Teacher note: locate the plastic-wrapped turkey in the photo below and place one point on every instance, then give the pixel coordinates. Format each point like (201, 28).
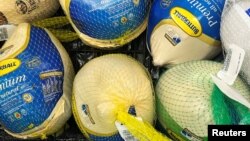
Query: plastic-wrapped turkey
(107, 23)
(105, 86)
(235, 30)
(36, 77)
(19, 11)
(184, 30)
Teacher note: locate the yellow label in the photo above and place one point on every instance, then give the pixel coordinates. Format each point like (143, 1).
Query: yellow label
(186, 21)
(9, 65)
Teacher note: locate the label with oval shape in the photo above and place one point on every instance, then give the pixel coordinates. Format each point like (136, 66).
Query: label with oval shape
(186, 21)
(9, 65)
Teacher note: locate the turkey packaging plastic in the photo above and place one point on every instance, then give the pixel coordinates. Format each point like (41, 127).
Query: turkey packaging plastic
(235, 30)
(107, 23)
(188, 101)
(184, 30)
(105, 86)
(36, 77)
(18, 11)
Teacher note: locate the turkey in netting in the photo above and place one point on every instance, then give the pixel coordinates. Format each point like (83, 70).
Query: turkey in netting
(36, 76)
(105, 86)
(19, 11)
(188, 101)
(107, 23)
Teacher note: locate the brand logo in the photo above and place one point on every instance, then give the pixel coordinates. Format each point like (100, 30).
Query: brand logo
(26, 6)
(165, 3)
(27, 98)
(9, 65)
(186, 21)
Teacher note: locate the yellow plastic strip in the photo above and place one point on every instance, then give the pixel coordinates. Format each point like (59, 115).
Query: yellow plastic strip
(141, 130)
(64, 35)
(54, 22)
(55, 25)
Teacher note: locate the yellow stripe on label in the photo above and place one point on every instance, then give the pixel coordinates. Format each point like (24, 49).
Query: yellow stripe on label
(209, 40)
(203, 37)
(50, 74)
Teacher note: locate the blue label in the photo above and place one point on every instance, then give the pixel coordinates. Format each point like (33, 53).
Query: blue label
(207, 12)
(248, 12)
(107, 19)
(29, 93)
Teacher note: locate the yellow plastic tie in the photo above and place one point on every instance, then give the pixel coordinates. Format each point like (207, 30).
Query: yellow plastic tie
(64, 35)
(54, 22)
(43, 137)
(141, 130)
(56, 26)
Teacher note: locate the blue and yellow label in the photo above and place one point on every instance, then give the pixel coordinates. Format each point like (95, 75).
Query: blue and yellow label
(194, 17)
(31, 83)
(108, 19)
(186, 21)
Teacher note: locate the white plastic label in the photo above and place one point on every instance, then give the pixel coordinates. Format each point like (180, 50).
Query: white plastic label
(6, 31)
(232, 64)
(230, 92)
(123, 131)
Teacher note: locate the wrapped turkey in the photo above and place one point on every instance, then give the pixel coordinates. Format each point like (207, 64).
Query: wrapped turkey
(36, 83)
(184, 30)
(19, 11)
(105, 86)
(188, 101)
(108, 23)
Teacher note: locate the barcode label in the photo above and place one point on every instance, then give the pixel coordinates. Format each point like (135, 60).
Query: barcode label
(127, 136)
(6, 31)
(227, 60)
(123, 131)
(3, 34)
(232, 64)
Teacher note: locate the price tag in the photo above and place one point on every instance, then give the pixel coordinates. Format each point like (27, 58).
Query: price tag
(232, 64)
